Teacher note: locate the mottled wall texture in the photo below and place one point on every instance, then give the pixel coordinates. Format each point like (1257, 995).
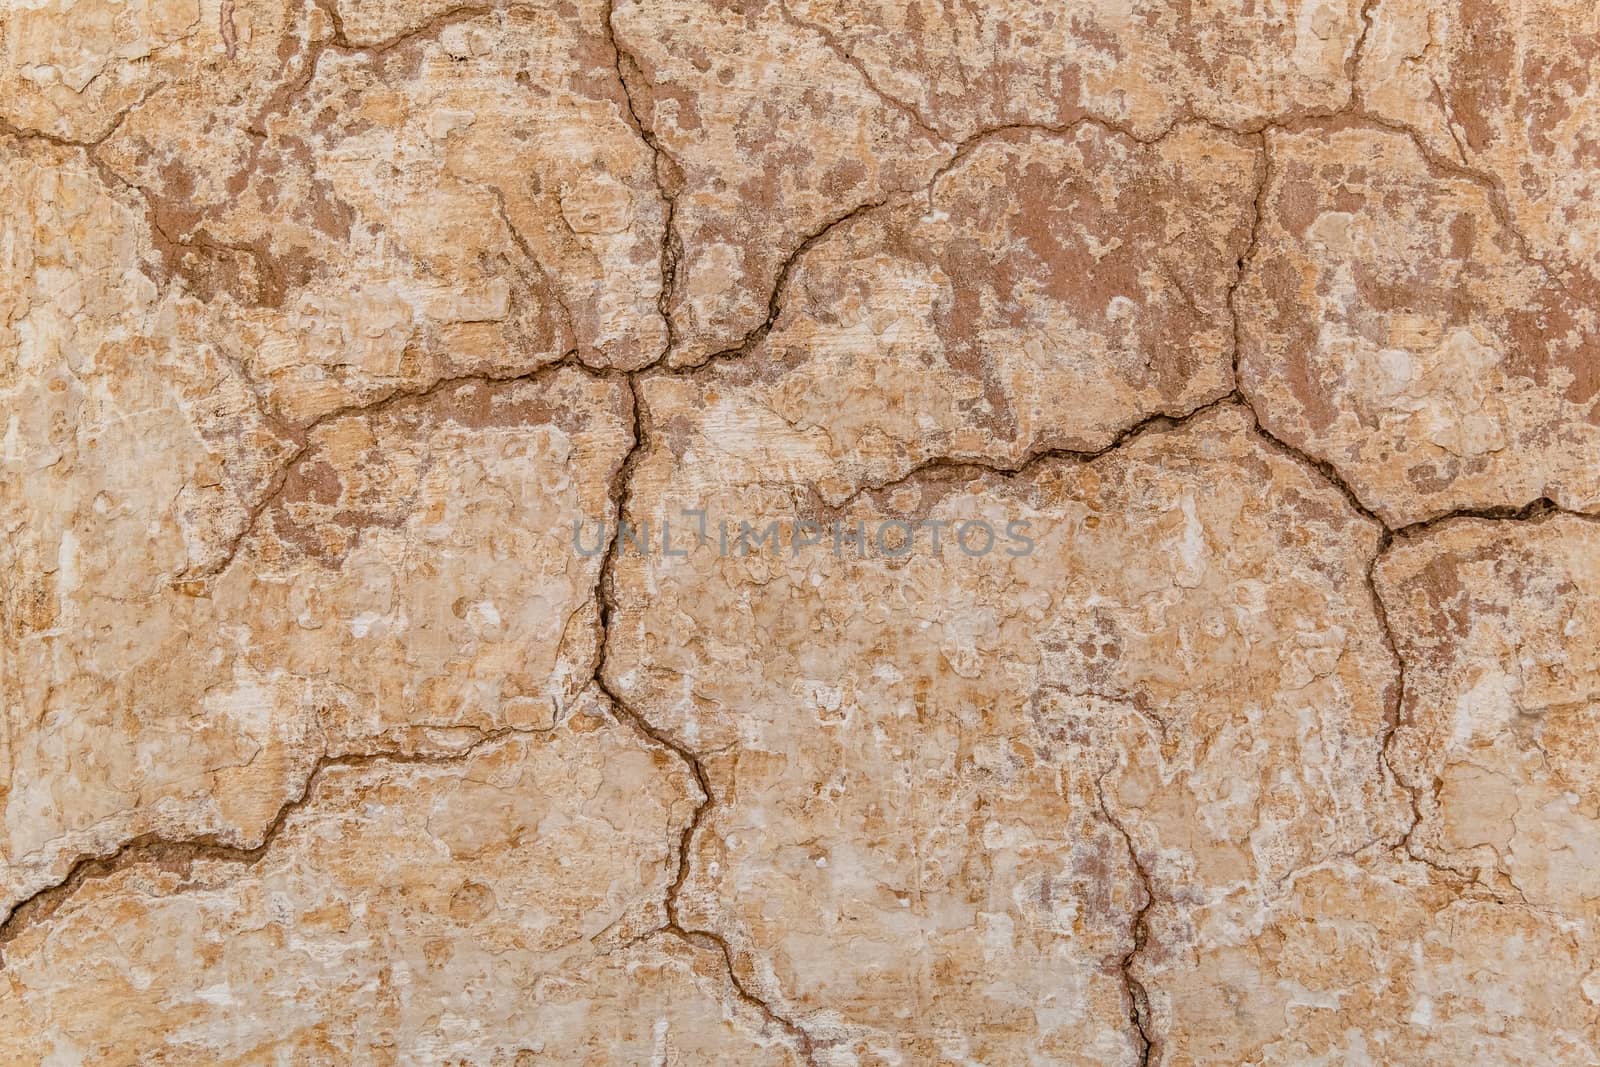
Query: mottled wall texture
(887, 532)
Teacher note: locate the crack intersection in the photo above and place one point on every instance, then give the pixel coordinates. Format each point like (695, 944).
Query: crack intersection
(669, 180)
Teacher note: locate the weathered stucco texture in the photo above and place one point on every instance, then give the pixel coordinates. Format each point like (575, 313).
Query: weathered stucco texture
(799, 532)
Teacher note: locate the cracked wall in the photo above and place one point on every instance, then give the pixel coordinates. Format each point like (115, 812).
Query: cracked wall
(333, 331)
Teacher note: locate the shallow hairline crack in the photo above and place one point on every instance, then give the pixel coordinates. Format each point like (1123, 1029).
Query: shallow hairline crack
(25, 134)
(664, 171)
(832, 42)
(547, 283)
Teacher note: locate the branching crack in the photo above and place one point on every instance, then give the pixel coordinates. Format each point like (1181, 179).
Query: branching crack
(1395, 699)
(302, 436)
(754, 336)
(1535, 511)
(666, 172)
(668, 177)
(605, 594)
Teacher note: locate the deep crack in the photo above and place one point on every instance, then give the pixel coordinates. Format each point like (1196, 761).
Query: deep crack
(605, 594)
(668, 177)
(175, 853)
(1137, 997)
(754, 336)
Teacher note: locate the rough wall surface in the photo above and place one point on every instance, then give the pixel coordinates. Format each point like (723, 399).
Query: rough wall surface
(799, 532)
